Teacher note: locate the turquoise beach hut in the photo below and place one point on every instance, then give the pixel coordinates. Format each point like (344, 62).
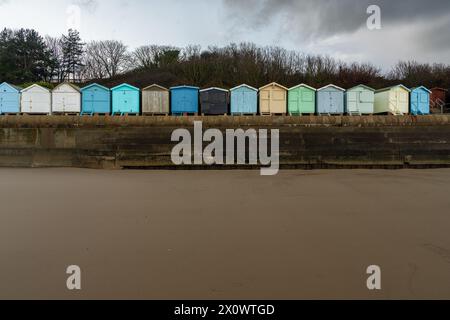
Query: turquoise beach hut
(420, 101)
(95, 99)
(184, 100)
(9, 98)
(244, 100)
(125, 99)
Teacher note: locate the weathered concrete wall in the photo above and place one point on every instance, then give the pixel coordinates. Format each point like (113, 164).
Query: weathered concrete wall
(305, 142)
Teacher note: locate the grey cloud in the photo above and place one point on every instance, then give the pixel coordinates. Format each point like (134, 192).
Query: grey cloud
(323, 18)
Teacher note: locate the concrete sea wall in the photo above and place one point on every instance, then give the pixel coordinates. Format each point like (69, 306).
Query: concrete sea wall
(145, 142)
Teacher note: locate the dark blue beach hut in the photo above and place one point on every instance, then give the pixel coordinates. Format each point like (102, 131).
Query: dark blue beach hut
(184, 99)
(9, 98)
(95, 99)
(420, 101)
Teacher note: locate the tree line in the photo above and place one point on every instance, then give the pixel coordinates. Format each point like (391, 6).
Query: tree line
(26, 56)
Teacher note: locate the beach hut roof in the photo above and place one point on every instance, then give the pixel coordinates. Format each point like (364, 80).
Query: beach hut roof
(125, 85)
(439, 88)
(184, 87)
(421, 87)
(393, 87)
(244, 86)
(69, 84)
(213, 88)
(17, 88)
(274, 84)
(35, 86)
(303, 86)
(363, 86)
(331, 86)
(155, 86)
(94, 85)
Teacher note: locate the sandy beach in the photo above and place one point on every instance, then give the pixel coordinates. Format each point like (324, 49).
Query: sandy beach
(224, 234)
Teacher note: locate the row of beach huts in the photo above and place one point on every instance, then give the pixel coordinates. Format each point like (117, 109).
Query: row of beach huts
(272, 99)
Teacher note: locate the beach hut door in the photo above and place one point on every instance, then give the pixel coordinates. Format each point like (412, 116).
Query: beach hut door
(352, 103)
(415, 98)
(124, 103)
(247, 99)
(424, 102)
(265, 101)
(294, 101)
(334, 102)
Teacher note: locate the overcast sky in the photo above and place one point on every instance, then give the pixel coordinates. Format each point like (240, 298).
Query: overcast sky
(411, 29)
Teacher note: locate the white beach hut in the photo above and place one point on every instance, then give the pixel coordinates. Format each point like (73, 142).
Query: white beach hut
(36, 100)
(66, 98)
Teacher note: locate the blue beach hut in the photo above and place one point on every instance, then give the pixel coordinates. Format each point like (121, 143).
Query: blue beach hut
(244, 100)
(330, 100)
(95, 99)
(9, 98)
(125, 99)
(420, 101)
(184, 99)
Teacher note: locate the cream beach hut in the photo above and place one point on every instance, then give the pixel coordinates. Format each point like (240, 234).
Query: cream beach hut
(273, 99)
(393, 100)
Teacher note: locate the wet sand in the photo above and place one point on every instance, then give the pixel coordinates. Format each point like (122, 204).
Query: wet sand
(224, 234)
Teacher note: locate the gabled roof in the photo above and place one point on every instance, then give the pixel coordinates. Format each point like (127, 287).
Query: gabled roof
(363, 86)
(17, 88)
(95, 85)
(421, 87)
(68, 84)
(393, 87)
(244, 86)
(155, 86)
(303, 86)
(214, 88)
(184, 87)
(438, 88)
(331, 86)
(35, 86)
(125, 85)
(274, 84)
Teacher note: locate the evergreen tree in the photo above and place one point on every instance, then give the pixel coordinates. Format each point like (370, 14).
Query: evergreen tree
(73, 50)
(23, 56)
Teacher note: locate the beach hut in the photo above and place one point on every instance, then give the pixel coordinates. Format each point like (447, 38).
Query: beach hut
(420, 101)
(36, 100)
(9, 98)
(330, 100)
(66, 98)
(438, 99)
(393, 100)
(184, 100)
(244, 100)
(273, 99)
(302, 100)
(438, 95)
(125, 99)
(96, 99)
(155, 100)
(360, 100)
(214, 101)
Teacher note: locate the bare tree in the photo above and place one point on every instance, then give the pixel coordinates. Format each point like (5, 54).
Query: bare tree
(154, 56)
(56, 67)
(106, 59)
